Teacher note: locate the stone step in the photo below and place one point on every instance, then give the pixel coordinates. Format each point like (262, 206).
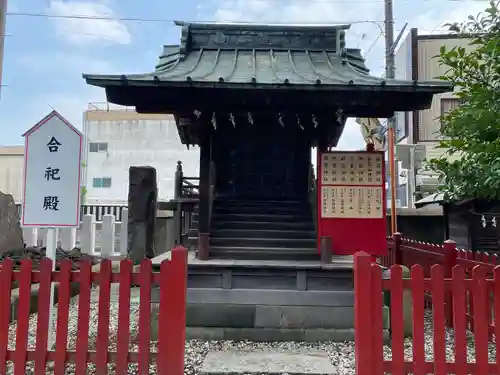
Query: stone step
(260, 242)
(263, 253)
(260, 203)
(290, 210)
(263, 233)
(310, 362)
(302, 218)
(259, 225)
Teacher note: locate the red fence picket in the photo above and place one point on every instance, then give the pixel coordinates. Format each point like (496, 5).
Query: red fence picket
(483, 285)
(169, 356)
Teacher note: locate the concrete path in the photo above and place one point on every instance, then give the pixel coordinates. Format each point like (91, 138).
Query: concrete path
(313, 362)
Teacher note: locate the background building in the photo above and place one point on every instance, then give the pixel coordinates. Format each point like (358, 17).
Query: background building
(117, 138)
(11, 171)
(415, 60)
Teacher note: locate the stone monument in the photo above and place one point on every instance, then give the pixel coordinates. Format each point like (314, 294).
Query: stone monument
(142, 197)
(11, 235)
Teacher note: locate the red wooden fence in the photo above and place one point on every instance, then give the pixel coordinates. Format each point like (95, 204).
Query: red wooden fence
(408, 252)
(169, 356)
(369, 286)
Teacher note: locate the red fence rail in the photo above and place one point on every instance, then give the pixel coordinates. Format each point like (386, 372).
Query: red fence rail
(369, 287)
(169, 356)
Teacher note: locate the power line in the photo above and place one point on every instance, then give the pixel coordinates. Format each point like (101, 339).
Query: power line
(83, 17)
(133, 19)
(373, 44)
(139, 19)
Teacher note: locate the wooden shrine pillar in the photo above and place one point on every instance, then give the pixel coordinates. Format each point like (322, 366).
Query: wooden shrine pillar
(325, 242)
(204, 202)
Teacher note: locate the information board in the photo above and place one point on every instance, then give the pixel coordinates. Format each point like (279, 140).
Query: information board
(351, 201)
(52, 164)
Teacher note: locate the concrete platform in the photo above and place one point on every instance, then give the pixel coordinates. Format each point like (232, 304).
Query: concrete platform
(259, 362)
(267, 300)
(338, 262)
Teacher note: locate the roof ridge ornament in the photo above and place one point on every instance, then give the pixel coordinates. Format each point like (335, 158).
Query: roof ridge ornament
(247, 36)
(184, 46)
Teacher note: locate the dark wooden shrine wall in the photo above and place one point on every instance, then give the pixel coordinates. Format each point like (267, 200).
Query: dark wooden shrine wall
(255, 165)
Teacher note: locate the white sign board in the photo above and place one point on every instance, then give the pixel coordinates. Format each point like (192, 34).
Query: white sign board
(52, 167)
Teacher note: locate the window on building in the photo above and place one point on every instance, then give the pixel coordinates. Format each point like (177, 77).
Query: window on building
(101, 182)
(98, 147)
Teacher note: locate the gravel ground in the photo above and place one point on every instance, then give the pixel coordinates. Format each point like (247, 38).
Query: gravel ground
(341, 354)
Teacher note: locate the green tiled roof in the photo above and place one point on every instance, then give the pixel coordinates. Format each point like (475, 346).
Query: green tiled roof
(260, 55)
(262, 66)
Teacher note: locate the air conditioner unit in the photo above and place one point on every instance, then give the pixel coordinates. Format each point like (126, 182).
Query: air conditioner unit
(427, 182)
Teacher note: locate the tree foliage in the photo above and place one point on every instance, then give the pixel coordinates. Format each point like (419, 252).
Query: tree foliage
(471, 132)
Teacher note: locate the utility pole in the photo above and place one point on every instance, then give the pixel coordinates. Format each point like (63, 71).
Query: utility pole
(390, 73)
(3, 15)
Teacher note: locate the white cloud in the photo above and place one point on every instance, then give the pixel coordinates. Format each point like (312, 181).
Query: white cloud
(88, 30)
(362, 34)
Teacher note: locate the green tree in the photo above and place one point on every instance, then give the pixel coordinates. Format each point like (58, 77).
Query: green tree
(472, 130)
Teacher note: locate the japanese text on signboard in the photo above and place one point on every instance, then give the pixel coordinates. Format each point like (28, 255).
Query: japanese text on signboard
(352, 185)
(51, 202)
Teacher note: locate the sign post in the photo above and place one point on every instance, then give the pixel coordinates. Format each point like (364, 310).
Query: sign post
(351, 201)
(52, 183)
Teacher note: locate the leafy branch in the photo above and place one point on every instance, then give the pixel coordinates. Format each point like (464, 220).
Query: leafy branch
(471, 132)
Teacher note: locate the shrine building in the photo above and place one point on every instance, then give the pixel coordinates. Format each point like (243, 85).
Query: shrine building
(256, 99)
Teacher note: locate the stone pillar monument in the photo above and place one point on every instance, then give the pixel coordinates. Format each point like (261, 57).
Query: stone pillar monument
(142, 197)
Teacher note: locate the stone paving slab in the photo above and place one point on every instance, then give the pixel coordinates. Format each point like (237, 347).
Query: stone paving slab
(235, 362)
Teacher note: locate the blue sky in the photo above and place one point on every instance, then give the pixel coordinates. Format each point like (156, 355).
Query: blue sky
(44, 57)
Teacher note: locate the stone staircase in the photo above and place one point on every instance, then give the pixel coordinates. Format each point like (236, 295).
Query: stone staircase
(261, 230)
(264, 280)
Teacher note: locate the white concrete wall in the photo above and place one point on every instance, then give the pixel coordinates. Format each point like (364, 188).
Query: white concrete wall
(133, 140)
(11, 171)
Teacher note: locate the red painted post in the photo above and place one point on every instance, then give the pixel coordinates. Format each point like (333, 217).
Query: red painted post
(172, 317)
(6, 279)
(362, 313)
(23, 317)
(450, 260)
(145, 278)
(398, 252)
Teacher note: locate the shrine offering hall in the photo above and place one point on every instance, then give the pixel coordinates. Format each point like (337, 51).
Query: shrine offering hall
(256, 99)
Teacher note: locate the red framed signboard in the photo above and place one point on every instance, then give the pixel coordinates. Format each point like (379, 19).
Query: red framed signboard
(352, 201)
